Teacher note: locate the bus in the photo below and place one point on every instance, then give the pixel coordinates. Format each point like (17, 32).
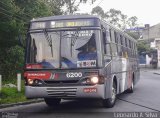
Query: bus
(78, 57)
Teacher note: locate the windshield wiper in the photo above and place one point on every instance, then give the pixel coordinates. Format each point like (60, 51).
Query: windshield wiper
(73, 38)
(49, 40)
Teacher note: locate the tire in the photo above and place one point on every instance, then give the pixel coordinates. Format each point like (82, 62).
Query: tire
(110, 102)
(52, 102)
(131, 89)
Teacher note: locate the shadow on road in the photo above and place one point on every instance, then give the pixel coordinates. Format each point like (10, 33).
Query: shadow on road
(75, 105)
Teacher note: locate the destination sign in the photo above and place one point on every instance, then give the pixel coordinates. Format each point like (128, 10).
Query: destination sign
(64, 23)
(55, 24)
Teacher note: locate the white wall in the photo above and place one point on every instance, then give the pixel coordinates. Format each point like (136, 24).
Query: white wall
(148, 59)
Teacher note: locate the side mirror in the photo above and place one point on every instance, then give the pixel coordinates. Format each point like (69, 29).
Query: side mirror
(21, 42)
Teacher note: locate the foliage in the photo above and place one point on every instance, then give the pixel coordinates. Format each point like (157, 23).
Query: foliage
(116, 17)
(98, 11)
(15, 16)
(71, 5)
(143, 47)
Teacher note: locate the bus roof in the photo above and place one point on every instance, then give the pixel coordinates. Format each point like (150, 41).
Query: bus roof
(64, 17)
(67, 17)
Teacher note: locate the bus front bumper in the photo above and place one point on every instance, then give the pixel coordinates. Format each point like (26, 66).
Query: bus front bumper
(96, 91)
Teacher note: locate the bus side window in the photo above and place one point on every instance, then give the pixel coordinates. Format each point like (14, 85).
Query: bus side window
(119, 45)
(121, 39)
(126, 43)
(113, 44)
(108, 43)
(110, 35)
(104, 40)
(116, 42)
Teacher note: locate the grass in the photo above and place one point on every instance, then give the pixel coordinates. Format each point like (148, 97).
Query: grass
(11, 95)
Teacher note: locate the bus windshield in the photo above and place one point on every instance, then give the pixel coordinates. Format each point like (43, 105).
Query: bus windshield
(63, 49)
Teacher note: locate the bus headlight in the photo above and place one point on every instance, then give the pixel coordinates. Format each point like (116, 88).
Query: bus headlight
(34, 82)
(30, 81)
(94, 80)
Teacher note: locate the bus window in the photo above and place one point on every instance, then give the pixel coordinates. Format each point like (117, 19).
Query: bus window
(44, 51)
(104, 40)
(108, 44)
(110, 34)
(76, 51)
(115, 37)
(114, 49)
(119, 45)
(129, 43)
(121, 40)
(126, 42)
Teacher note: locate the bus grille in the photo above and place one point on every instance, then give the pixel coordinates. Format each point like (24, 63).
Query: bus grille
(61, 92)
(62, 82)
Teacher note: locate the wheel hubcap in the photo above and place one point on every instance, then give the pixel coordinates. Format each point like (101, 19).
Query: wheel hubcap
(132, 86)
(113, 94)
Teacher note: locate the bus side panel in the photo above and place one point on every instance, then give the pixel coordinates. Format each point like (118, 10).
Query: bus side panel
(137, 75)
(106, 72)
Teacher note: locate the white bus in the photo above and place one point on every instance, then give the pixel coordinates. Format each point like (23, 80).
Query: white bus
(78, 56)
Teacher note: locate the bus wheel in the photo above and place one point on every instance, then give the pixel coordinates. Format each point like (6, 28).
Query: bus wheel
(130, 90)
(110, 102)
(52, 102)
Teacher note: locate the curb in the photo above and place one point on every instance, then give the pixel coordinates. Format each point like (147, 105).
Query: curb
(20, 103)
(157, 73)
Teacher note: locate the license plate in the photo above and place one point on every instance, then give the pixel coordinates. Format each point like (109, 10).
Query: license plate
(90, 90)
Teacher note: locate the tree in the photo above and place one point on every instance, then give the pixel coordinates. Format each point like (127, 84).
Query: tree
(55, 6)
(143, 47)
(33, 8)
(71, 5)
(116, 17)
(98, 11)
(10, 25)
(15, 16)
(132, 21)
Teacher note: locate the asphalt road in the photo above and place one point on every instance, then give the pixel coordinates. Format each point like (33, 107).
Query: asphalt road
(146, 98)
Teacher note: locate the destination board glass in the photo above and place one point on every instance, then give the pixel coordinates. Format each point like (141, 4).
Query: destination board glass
(65, 23)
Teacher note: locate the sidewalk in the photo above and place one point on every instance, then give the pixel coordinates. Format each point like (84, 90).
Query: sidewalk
(154, 71)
